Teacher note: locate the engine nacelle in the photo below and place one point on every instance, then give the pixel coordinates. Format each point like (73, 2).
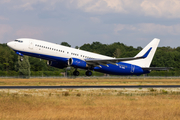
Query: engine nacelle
(77, 63)
(56, 64)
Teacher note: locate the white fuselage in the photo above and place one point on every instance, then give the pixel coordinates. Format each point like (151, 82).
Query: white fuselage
(51, 49)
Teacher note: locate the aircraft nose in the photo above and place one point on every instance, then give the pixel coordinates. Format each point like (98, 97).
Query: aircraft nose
(10, 44)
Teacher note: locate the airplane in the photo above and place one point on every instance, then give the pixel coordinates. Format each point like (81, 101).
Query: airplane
(61, 57)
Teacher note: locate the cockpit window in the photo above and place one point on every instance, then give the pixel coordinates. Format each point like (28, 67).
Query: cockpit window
(18, 41)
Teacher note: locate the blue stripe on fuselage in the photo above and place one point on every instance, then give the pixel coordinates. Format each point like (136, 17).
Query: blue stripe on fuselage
(46, 57)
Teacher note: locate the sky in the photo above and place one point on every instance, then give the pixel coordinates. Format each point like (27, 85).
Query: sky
(132, 22)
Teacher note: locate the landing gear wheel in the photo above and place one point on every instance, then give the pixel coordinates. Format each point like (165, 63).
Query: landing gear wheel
(21, 59)
(76, 73)
(88, 73)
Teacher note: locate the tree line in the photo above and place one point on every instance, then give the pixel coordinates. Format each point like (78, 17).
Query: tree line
(164, 57)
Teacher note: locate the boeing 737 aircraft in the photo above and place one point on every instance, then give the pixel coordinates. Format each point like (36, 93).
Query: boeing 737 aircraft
(60, 57)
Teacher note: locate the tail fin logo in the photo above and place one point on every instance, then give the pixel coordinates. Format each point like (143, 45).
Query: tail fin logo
(147, 53)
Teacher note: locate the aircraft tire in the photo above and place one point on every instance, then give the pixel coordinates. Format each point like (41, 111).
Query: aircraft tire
(88, 73)
(76, 73)
(21, 59)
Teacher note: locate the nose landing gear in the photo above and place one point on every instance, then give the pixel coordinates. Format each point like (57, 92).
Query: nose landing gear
(21, 59)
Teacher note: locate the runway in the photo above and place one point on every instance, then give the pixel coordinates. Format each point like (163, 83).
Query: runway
(84, 87)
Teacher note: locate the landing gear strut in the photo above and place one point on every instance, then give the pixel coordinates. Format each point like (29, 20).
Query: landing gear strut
(88, 73)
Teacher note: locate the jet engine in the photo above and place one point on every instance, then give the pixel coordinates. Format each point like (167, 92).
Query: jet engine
(77, 63)
(56, 64)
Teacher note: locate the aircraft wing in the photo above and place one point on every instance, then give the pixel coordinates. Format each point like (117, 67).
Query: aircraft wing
(95, 62)
(158, 68)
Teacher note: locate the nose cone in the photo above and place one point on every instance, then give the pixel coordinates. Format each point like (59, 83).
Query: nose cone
(10, 44)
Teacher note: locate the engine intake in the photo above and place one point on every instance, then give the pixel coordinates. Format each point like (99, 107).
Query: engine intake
(77, 63)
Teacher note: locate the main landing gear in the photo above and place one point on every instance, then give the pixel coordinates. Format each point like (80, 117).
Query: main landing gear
(76, 73)
(88, 73)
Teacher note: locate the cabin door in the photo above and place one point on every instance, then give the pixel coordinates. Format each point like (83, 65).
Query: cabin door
(31, 44)
(132, 68)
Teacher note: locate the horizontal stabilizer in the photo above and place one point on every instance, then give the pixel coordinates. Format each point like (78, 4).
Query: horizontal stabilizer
(157, 68)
